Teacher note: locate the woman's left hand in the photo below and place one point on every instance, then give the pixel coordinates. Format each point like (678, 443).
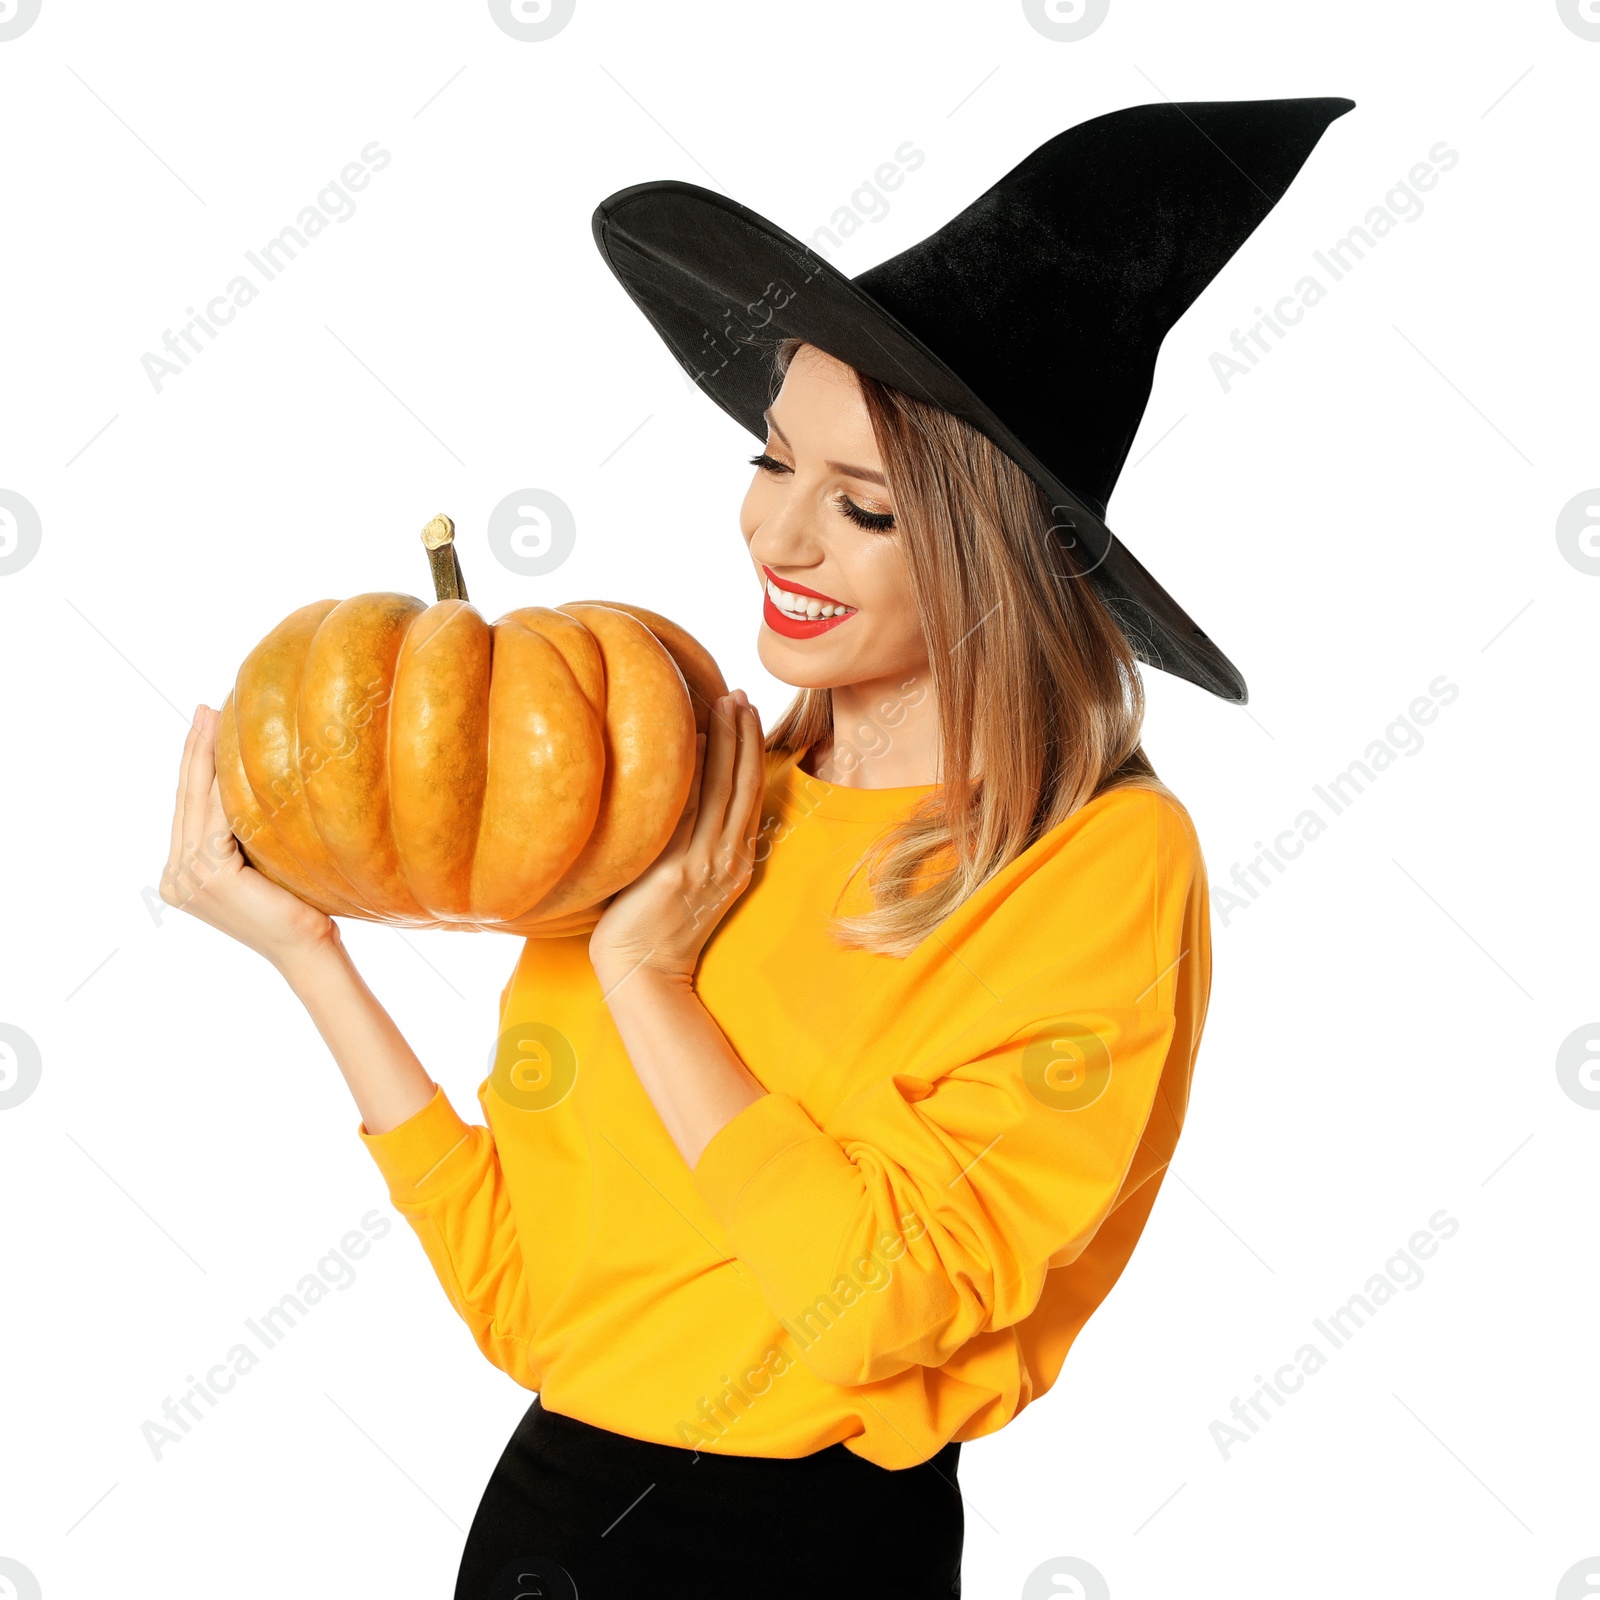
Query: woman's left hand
(664, 917)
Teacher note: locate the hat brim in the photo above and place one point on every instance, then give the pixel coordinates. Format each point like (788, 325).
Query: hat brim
(723, 287)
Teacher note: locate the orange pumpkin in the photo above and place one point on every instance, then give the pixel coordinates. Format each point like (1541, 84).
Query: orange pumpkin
(405, 763)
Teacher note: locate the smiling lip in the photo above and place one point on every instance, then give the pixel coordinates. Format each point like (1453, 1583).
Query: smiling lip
(795, 627)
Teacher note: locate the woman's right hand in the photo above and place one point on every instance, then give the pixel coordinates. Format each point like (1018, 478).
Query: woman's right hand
(208, 876)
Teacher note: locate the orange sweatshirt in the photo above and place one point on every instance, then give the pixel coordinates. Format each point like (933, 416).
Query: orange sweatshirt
(897, 1245)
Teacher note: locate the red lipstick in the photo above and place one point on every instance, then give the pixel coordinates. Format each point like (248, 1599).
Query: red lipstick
(794, 627)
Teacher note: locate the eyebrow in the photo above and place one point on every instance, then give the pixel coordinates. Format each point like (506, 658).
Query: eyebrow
(864, 473)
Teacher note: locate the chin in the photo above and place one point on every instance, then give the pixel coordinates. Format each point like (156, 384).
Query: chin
(800, 665)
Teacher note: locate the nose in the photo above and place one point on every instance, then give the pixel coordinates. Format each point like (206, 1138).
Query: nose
(787, 537)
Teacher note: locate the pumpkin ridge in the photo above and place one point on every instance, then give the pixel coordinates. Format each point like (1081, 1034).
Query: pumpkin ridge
(593, 697)
(369, 912)
(361, 631)
(274, 806)
(543, 788)
(433, 761)
(617, 849)
(265, 849)
(387, 769)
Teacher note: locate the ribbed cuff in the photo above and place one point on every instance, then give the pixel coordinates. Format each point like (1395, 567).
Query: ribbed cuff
(419, 1148)
(766, 1129)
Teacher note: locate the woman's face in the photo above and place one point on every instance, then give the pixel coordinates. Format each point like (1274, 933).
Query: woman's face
(820, 525)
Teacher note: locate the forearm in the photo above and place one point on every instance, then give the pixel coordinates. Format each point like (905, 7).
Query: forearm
(386, 1079)
(684, 1061)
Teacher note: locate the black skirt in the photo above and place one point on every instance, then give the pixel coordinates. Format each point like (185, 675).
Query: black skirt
(574, 1512)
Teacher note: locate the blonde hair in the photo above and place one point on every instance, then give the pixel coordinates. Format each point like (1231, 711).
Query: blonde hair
(1036, 686)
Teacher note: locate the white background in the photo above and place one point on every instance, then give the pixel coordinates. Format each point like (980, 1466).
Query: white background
(1373, 506)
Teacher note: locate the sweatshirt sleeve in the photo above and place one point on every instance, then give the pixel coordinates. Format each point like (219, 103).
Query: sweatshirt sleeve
(929, 1207)
(445, 1179)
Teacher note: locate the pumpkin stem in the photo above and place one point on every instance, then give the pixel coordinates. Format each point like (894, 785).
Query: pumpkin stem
(439, 536)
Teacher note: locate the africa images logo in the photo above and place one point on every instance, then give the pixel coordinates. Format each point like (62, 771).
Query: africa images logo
(334, 202)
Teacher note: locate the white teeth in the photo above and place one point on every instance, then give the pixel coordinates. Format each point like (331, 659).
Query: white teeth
(804, 607)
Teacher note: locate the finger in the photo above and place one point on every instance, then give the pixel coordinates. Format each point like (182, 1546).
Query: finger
(202, 769)
(691, 806)
(724, 706)
(717, 784)
(674, 846)
(733, 848)
(175, 848)
(749, 789)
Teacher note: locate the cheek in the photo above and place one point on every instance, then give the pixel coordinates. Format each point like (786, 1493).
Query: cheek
(885, 589)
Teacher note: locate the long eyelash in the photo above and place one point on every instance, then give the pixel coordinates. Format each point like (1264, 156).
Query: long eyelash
(874, 521)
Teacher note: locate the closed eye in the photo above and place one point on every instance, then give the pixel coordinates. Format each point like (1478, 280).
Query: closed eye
(874, 521)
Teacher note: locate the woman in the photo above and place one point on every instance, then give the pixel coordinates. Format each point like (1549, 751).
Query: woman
(811, 1159)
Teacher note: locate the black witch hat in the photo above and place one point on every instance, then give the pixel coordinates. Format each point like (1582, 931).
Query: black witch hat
(1036, 314)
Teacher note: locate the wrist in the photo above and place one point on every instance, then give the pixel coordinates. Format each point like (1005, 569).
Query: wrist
(618, 972)
(307, 958)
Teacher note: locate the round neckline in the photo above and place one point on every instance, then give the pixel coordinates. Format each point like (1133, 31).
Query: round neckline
(817, 797)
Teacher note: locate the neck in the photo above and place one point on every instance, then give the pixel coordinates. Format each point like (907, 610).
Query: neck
(885, 734)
